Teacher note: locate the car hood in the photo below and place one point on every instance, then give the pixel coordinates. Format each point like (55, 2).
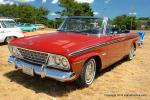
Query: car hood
(56, 43)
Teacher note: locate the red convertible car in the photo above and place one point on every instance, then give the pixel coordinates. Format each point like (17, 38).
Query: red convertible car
(79, 48)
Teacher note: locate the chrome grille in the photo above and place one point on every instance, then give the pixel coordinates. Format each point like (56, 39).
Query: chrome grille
(33, 56)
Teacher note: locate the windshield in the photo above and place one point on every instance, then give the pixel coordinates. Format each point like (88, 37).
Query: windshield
(8, 24)
(82, 25)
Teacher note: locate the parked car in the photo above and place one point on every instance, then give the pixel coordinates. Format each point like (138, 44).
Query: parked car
(9, 30)
(40, 26)
(28, 27)
(80, 47)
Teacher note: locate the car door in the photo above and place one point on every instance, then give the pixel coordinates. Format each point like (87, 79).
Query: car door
(29, 27)
(115, 46)
(5, 31)
(25, 27)
(127, 43)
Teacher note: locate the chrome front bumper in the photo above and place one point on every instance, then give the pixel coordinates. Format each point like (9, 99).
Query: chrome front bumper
(43, 71)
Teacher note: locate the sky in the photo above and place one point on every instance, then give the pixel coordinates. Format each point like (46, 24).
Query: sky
(109, 8)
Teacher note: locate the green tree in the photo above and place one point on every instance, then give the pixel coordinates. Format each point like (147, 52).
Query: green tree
(41, 14)
(144, 18)
(124, 21)
(26, 12)
(72, 8)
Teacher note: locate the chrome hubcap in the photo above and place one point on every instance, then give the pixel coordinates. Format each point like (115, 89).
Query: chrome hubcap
(132, 52)
(90, 71)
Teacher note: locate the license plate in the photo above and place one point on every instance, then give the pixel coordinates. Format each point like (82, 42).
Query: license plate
(28, 70)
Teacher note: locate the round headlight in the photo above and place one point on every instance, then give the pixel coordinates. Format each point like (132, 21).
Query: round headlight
(16, 52)
(57, 60)
(64, 62)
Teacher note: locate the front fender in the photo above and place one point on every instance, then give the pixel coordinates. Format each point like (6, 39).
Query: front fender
(77, 62)
(84, 57)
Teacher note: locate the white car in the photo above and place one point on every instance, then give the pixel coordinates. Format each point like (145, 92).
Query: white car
(9, 30)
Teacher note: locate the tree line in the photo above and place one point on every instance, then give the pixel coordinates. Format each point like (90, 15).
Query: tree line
(30, 14)
(26, 13)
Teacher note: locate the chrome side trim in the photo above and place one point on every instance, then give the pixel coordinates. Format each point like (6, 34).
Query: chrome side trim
(87, 49)
(97, 46)
(43, 71)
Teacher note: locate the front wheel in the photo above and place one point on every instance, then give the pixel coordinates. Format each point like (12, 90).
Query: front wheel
(131, 53)
(88, 73)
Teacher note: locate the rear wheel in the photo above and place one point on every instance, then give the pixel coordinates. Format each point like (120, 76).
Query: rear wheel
(33, 29)
(88, 73)
(131, 53)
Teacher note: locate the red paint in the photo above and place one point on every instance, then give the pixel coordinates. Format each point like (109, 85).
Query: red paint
(66, 43)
